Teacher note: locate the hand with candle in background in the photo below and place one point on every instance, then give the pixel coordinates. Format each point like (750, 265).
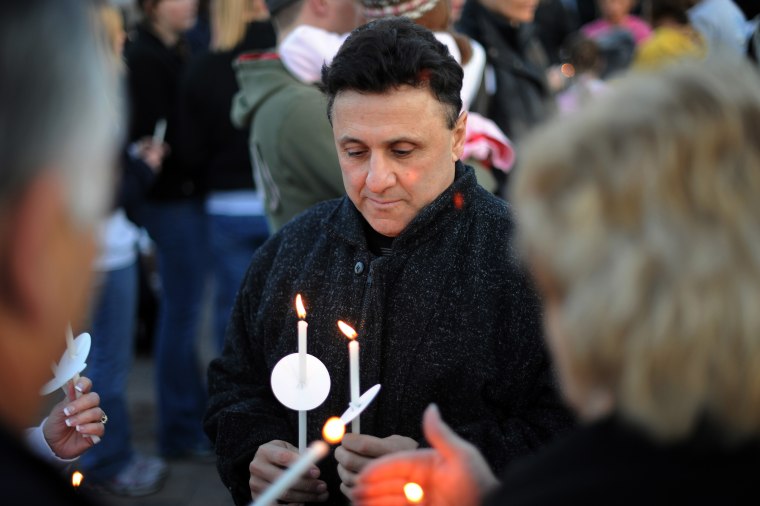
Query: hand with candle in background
(358, 450)
(70, 421)
(453, 473)
(151, 152)
(271, 461)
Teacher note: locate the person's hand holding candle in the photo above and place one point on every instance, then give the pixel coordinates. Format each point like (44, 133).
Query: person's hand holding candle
(271, 461)
(453, 473)
(71, 424)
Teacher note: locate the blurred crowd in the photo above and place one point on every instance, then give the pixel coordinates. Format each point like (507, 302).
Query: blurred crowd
(221, 151)
(218, 156)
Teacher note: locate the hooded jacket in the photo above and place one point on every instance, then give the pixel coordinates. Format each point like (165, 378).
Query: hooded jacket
(291, 140)
(448, 316)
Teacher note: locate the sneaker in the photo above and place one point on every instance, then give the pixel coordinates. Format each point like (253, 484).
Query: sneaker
(143, 476)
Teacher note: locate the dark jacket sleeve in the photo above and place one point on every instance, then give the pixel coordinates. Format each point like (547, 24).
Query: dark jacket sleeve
(136, 180)
(242, 412)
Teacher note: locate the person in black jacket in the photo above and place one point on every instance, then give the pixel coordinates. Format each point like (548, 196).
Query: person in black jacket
(641, 230)
(175, 219)
(417, 258)
(212, 147)
(522, 98)
(59, 137)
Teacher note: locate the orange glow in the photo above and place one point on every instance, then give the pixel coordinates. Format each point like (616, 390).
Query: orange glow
(413, 492)
(567, 70)
(334, 430)
(458, 200)
(299, 307)
(76, 479)
(347, 330)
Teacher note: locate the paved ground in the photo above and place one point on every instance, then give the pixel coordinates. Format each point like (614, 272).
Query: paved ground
(189, 484)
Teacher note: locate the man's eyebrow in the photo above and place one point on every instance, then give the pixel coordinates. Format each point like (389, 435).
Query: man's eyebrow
(348, 139)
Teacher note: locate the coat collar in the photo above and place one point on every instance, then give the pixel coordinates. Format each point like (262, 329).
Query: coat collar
(346, 222)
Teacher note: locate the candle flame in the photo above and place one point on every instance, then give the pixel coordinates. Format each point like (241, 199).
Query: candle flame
(347, 330)
(413, 492)
(299, 307)
(76, 479)
(334, 430)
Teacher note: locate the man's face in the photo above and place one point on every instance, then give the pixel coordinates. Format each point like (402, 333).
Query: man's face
(519, 11)
(396, 153)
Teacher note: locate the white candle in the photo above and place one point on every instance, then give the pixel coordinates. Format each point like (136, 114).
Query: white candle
(75, 379)
(302, 331)
(353, 359)
(159, 131)
(301, 431)
(302, 326)
(316, 451)
(353, 369)
(70, 341)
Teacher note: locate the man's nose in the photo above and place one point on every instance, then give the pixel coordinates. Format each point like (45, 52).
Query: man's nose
(380, 175)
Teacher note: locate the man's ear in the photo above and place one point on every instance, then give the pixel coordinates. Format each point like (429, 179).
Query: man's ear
(459, 135)
(36, 215)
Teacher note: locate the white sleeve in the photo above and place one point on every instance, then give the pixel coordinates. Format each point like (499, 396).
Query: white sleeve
(37, 443)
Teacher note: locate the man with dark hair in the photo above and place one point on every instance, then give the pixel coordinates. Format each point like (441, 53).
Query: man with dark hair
(417, 258)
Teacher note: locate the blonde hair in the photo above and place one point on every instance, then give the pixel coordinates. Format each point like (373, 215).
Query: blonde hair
(644, 212)
(111, 26)
(229, 19)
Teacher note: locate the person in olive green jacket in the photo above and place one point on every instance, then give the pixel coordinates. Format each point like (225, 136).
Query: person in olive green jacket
(291, 141)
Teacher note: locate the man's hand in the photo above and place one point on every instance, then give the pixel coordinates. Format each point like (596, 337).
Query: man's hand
(454, 473)
(358, 450)
(269, 463)
(70, 421)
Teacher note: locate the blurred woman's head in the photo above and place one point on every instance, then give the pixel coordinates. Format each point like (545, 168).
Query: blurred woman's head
(111, 26)
(229, 19)
(642, 224)
(658, 12)
(615, 11)
(170, 16)
(517, 11)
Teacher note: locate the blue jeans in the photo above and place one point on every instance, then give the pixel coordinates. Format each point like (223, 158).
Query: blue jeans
(179, 231)
(112, 331)
(233, 239)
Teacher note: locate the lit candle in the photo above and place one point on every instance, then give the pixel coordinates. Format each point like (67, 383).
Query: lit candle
(334, 430)
(413, 492)
(302, 328)
(316, 451)
(353, 365)
(76, 479)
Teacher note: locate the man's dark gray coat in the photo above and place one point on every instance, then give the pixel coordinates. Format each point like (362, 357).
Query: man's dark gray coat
(447, 317)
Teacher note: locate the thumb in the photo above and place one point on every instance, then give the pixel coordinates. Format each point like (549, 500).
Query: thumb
(440, 435)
